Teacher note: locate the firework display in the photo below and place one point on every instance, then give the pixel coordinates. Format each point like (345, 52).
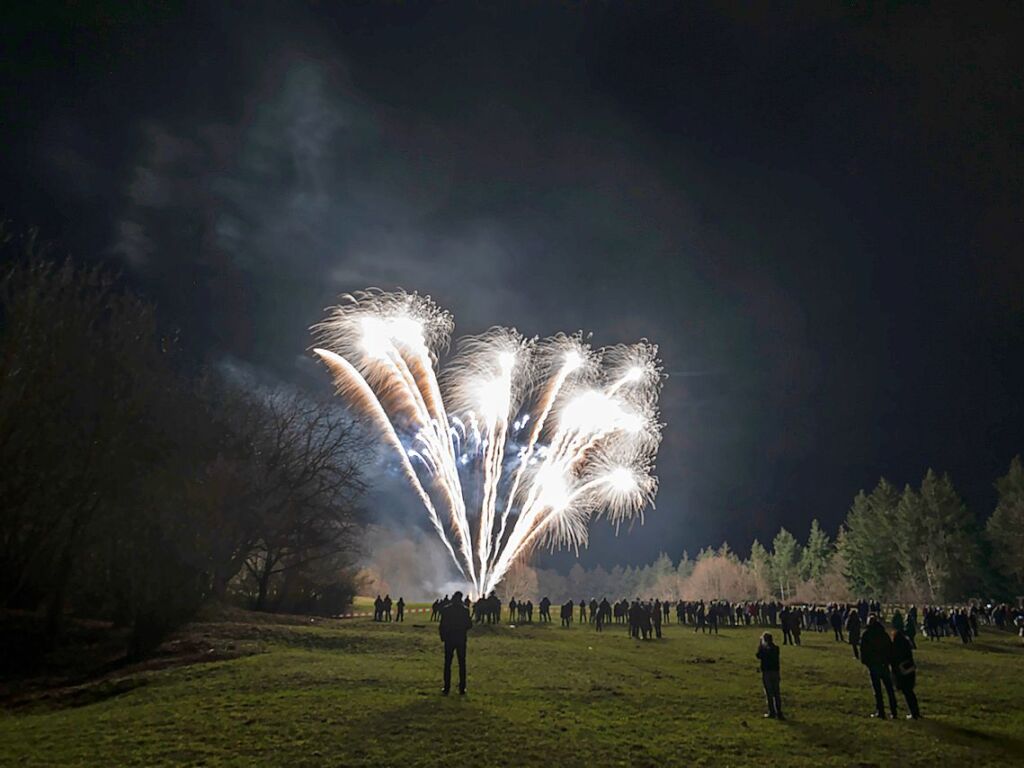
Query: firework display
(516, 443)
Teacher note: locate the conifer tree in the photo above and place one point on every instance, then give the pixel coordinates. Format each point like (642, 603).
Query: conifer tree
(1005, 530)
(946, 534)
(785, 562)
(760, 565)
(685, 567)
(816, 555)
(871, 557)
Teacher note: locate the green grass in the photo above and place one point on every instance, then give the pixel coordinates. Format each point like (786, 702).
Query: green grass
(362, 694)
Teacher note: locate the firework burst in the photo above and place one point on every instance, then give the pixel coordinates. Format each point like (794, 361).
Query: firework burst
(518, 443)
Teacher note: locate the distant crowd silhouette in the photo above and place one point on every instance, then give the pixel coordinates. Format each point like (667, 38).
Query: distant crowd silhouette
(382, 609)
(888, 656)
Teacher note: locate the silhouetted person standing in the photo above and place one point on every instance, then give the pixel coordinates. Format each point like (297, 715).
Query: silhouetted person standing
(455, 623)
(853, 632)
(787, 627)
(387, 607)
(400, 610)
(912, 626)
(604, 612)
(835, 619)
(768, 655)
(904, 671)
(876, 655)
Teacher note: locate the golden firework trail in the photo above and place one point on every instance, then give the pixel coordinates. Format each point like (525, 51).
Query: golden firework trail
(517, 443)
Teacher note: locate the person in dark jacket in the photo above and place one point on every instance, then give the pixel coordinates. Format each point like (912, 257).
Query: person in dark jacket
(455, 623)
(876, 655)
(853, 632)
(904, 672)
(835, 619)
(400, 605)
(787, 627)
(768, 655)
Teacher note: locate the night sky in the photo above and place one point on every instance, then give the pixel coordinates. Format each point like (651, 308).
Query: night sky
(817, 214)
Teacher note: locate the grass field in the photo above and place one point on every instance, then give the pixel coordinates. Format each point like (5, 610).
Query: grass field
(362, 694)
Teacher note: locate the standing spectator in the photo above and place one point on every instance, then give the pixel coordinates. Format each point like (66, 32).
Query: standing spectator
(567, 614)
(768, 654)
(836, 620)
(545, 609)
(876, 655)
(897, 620)
(455, 623)
(853, 631)
(904, 672)
(400, 606)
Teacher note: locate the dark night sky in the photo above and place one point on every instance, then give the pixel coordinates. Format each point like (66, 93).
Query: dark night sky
(817, 214)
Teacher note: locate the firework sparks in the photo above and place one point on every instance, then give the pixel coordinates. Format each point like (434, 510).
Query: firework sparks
(518, 443)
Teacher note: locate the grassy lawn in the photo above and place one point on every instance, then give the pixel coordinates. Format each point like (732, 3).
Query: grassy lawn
(362, 694)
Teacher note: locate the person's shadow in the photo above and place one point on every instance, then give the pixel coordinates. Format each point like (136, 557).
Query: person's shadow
(958, 734)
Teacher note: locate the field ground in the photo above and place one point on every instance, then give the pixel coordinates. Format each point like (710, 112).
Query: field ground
(301, 693)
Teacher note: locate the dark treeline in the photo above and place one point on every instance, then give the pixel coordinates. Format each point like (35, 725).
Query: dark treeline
(136, 483)
(919, 545)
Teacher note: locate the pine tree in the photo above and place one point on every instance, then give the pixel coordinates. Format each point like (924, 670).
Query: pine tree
(629, 582)
(616, 580)
(598, 582)
(785, 562)
(1005, 529)
(816, 555)
(726, 553)
(577, 582)
(760, 565)
(662, 568)
(685, 567)
(871, 557)
(948, 538)
(910, 534)
(663, 577)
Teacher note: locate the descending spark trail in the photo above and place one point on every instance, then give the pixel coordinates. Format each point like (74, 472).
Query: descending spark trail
(550, 431)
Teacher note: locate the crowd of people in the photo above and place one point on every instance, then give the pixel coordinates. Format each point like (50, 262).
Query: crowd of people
(888, 655)
(644, 618)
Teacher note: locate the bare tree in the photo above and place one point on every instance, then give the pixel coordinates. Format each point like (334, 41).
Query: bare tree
(310, 481)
